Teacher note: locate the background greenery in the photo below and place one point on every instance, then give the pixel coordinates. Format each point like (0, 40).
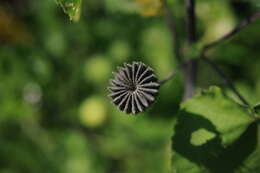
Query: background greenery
(54, 112)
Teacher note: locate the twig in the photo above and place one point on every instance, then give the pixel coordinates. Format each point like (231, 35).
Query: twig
(170, 21)
(175, 71)
(225, 79)
(169, 76)
(238, 28)
(191, 70)
(214, 66)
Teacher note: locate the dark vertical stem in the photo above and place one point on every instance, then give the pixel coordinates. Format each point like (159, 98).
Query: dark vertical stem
(191, 21)
(190, 72)
(170, 21)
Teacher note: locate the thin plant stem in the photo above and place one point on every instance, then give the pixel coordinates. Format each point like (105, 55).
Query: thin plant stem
(175, 71)
(190, 68)
(234, 31)
(214, 66)
(190, 72)
(170, 21)
(169, 76)
(225, 79)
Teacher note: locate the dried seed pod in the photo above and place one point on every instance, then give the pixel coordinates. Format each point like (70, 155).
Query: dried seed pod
(134, 87)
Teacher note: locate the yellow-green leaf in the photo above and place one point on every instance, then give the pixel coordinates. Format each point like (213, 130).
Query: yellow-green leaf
(71, 7)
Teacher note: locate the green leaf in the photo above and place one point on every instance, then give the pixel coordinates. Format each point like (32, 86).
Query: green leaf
(71, 7)
(212, 134)
(201, 136)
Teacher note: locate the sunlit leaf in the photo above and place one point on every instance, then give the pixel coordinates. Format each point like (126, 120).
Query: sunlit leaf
(71, 7)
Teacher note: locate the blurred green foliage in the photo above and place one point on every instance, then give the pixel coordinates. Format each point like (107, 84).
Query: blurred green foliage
(54, 113)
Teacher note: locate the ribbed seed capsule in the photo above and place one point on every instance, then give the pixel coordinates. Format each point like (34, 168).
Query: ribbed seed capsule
(134, 87)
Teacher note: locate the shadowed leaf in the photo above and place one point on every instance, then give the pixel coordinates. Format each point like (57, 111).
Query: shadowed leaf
(210, 131)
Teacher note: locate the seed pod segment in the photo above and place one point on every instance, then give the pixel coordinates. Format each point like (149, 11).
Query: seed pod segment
(134, 87)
